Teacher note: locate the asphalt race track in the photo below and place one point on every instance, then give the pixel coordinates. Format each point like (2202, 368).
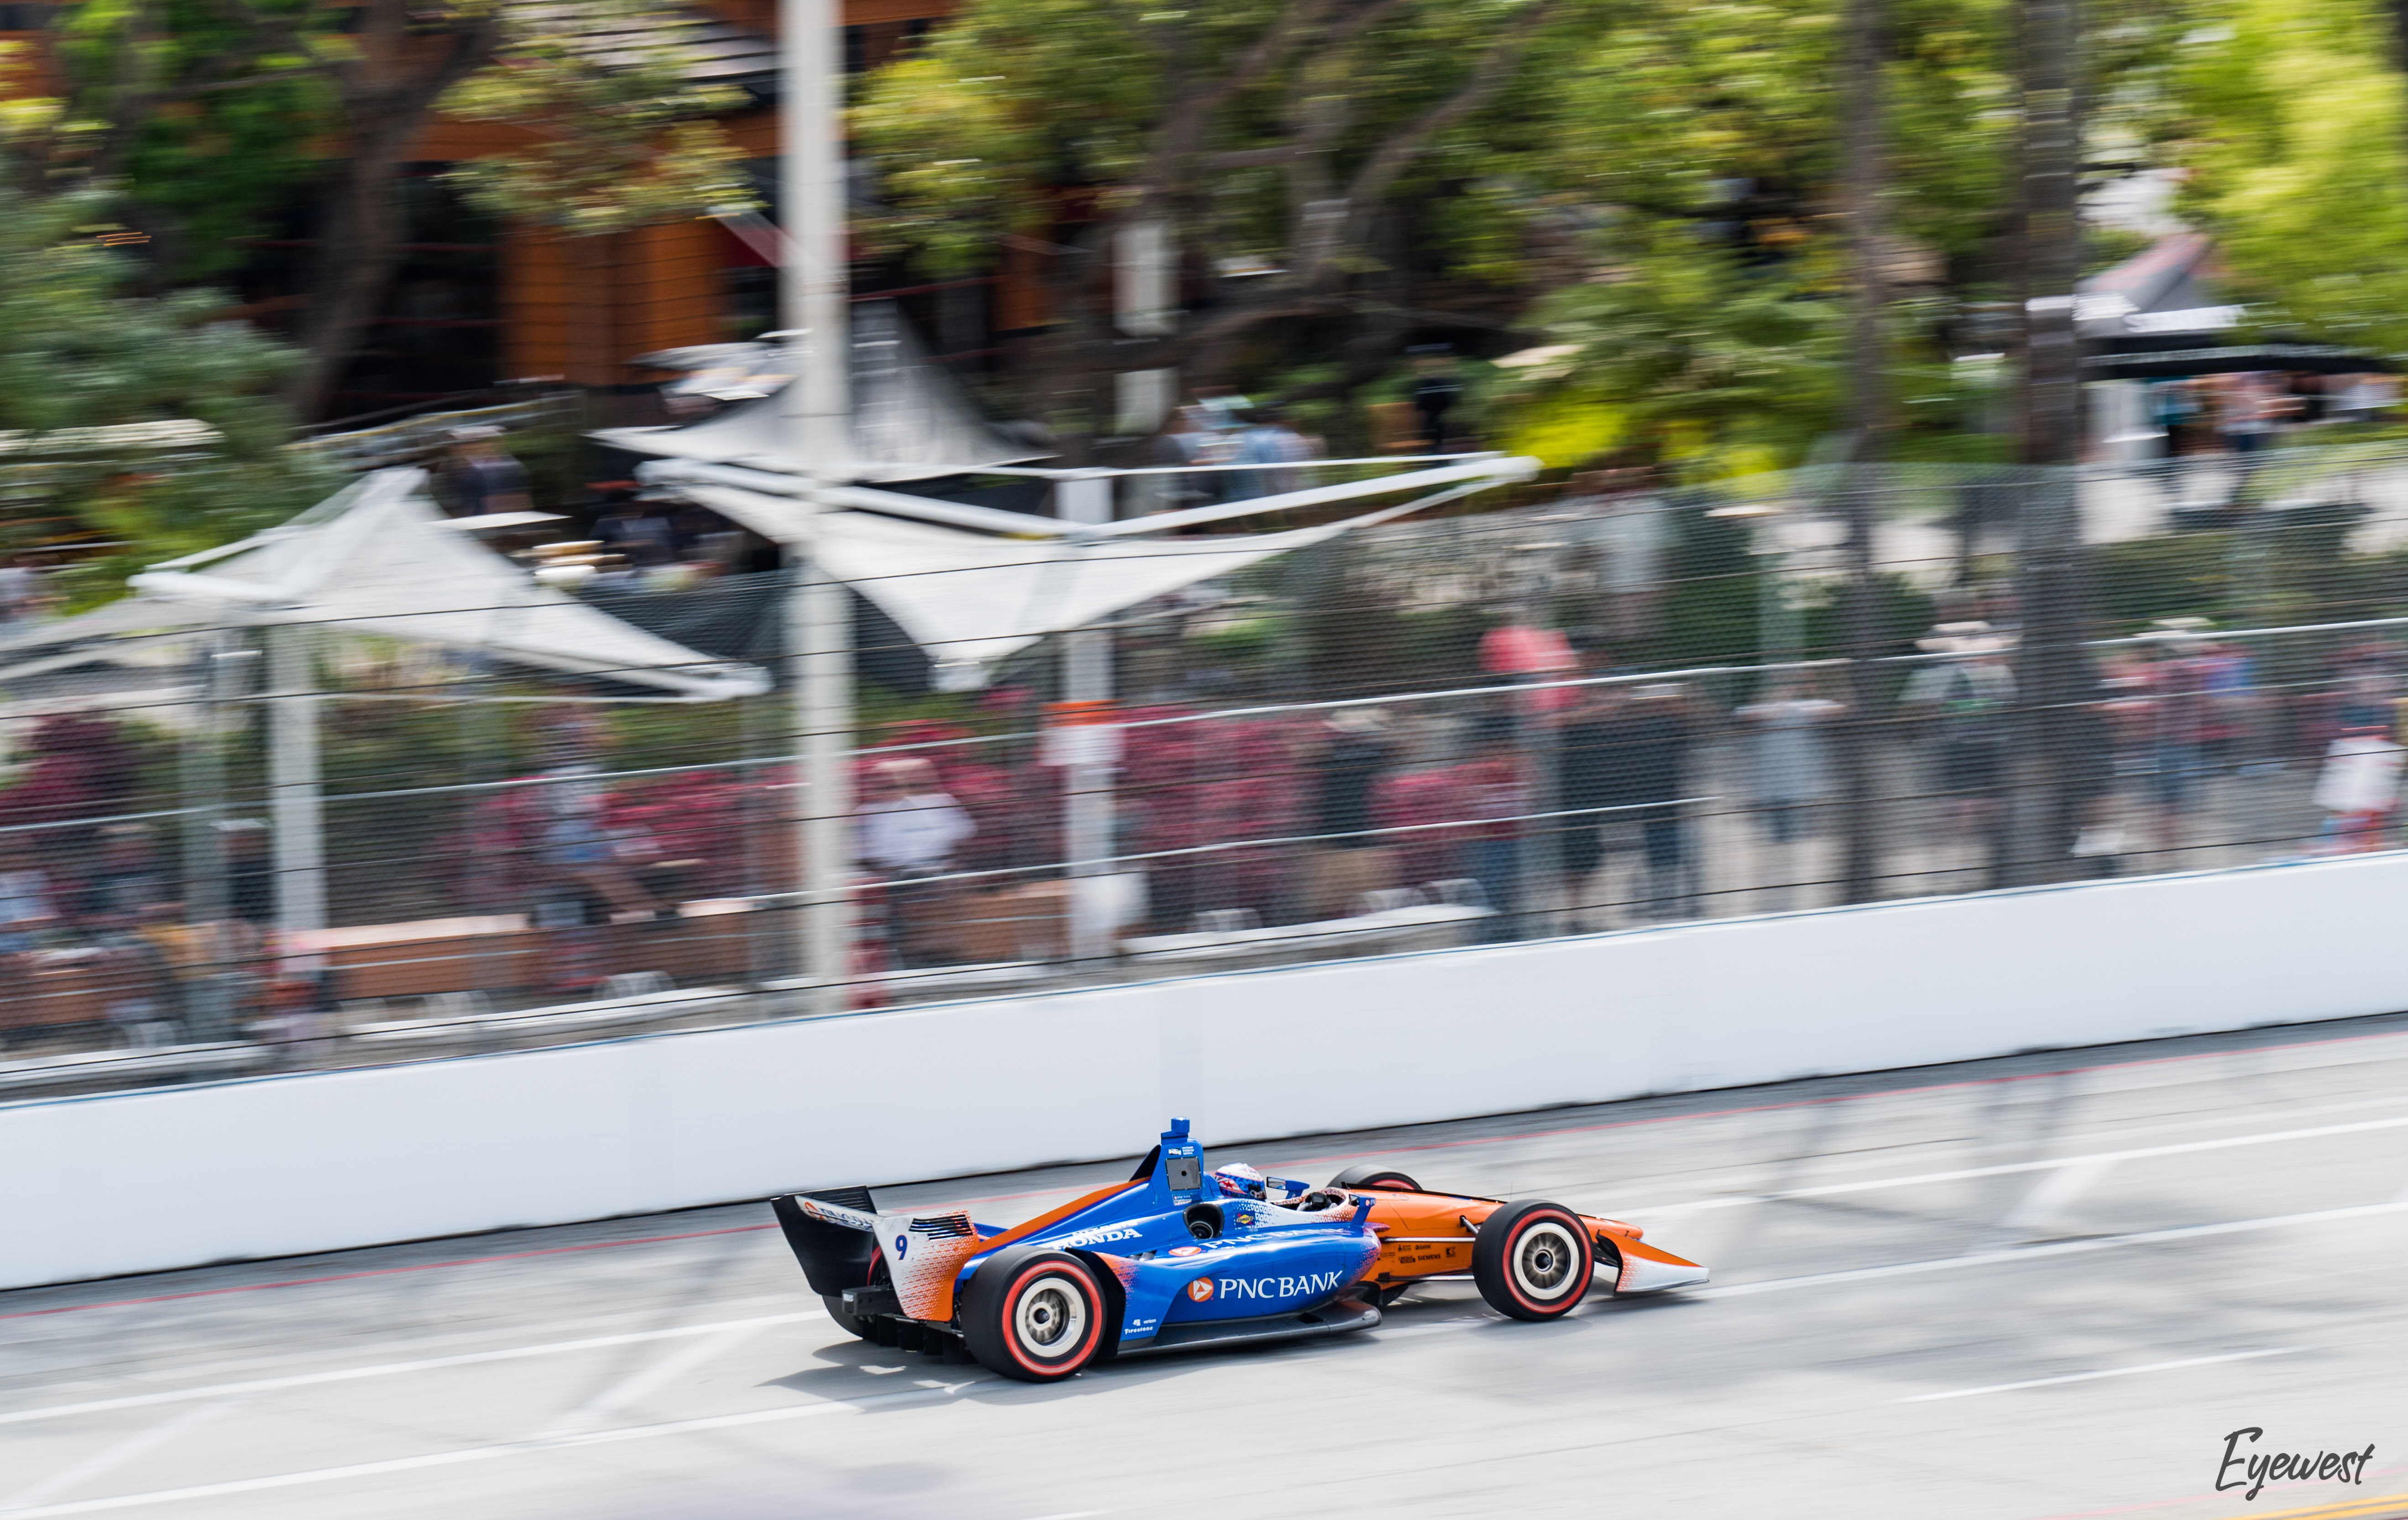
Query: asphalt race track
(2045, 1286)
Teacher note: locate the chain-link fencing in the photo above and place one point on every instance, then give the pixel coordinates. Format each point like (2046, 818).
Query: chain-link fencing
(1608, 707)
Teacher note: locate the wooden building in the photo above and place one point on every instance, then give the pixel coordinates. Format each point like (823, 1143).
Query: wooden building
(476, 304)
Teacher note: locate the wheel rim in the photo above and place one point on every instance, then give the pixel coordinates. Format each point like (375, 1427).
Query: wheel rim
(1050, 1318)
(1547, 1261)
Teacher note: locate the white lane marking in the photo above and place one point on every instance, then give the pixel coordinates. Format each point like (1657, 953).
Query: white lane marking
(426, 1344)
(346, 1374)
(110, 1457)
(2041, 1206)
(2110, 1372)
(2008, 1169)
(487, 1454)
(610, 1400)
(2033, 1253)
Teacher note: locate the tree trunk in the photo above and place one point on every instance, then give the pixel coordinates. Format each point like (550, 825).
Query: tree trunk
(1863, 172)
(387, 97)
(2053, 671)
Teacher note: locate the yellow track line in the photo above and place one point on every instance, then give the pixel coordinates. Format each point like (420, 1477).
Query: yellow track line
(2385, 1506)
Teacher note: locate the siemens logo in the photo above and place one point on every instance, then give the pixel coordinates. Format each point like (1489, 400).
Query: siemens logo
(1280, 1287)
(1100, 1234)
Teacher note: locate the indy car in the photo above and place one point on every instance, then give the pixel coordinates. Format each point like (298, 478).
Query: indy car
(1176, 1258)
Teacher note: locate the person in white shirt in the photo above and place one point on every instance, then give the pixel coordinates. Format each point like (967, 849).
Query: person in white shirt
(907, 830)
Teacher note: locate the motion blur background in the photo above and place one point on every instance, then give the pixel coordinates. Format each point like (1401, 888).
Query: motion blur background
(1994, 482)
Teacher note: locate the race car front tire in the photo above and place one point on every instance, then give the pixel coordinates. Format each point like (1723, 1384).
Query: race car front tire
(1385, 1178)
(1532, 1260)
(1034, 1314)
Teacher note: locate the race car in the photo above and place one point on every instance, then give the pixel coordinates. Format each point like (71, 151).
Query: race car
(1174, 1258)
(1530, 1260)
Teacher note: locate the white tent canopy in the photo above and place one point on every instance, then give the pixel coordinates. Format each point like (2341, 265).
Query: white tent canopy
(379, 559)
(909, 419)
(968, 599)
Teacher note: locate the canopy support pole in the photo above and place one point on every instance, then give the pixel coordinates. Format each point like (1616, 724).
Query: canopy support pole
(820, 639)
(1087, 779)
(818, 410)
(294, 787)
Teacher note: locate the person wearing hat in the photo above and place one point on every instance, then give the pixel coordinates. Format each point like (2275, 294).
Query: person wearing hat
(482, 475)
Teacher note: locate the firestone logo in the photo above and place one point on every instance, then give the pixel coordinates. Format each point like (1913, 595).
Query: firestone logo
(1278, 1287)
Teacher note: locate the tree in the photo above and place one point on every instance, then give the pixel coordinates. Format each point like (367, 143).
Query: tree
(2052, 670)
(146, 417)
(2295, 122)
(204, 117)
(1280, 142)
(620, 136)
(1864, 191)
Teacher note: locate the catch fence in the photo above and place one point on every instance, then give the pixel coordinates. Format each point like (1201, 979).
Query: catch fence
(1600, 710)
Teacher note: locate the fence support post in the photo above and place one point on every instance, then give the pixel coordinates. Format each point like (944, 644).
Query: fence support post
(1087, 779)
(294, 790)
(817, 409)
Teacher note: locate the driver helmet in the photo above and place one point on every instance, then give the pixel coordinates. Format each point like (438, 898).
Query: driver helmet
(1239, 1182)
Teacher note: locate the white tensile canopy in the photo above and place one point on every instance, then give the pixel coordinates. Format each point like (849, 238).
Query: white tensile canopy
(909, 417)
(379, 559)
(968, 599)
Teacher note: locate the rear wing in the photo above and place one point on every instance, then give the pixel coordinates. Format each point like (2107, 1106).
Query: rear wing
(840, 1240)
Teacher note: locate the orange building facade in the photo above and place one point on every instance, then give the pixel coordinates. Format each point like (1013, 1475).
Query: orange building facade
(475, 304)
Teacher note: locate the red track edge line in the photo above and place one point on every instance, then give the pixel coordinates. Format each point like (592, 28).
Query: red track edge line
(1396, 1150)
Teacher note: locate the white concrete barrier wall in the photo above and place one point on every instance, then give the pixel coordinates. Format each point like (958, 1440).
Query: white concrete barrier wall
(271, 1167)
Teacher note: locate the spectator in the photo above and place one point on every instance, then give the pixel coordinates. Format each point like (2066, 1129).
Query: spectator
(482, 475)
(127, 889)
(20, 589)
(28, 909)
(2358, 789)
(1586, 782)
(1792, 770)
(638, 530)
(1966, 698)
(1492, 786)
(906, 831)
(1437, 388)
(1647, 753)
(1348, 861)
(2178, 689)
(1267, 440)
(250, 875)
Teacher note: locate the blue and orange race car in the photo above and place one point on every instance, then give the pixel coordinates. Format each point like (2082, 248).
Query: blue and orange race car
(1176, 1258)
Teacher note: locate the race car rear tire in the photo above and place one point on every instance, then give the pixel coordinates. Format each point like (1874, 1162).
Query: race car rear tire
(1034, 1314)
(1532, 1260)
(1386, 1178)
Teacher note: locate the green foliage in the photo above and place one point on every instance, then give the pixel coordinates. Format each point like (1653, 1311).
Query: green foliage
(1686, 356)
(201, 168)
(623, 138)
(78, 353)
(2298, 166)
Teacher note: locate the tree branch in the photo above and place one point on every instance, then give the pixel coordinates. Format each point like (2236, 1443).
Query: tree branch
(1371, 181)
